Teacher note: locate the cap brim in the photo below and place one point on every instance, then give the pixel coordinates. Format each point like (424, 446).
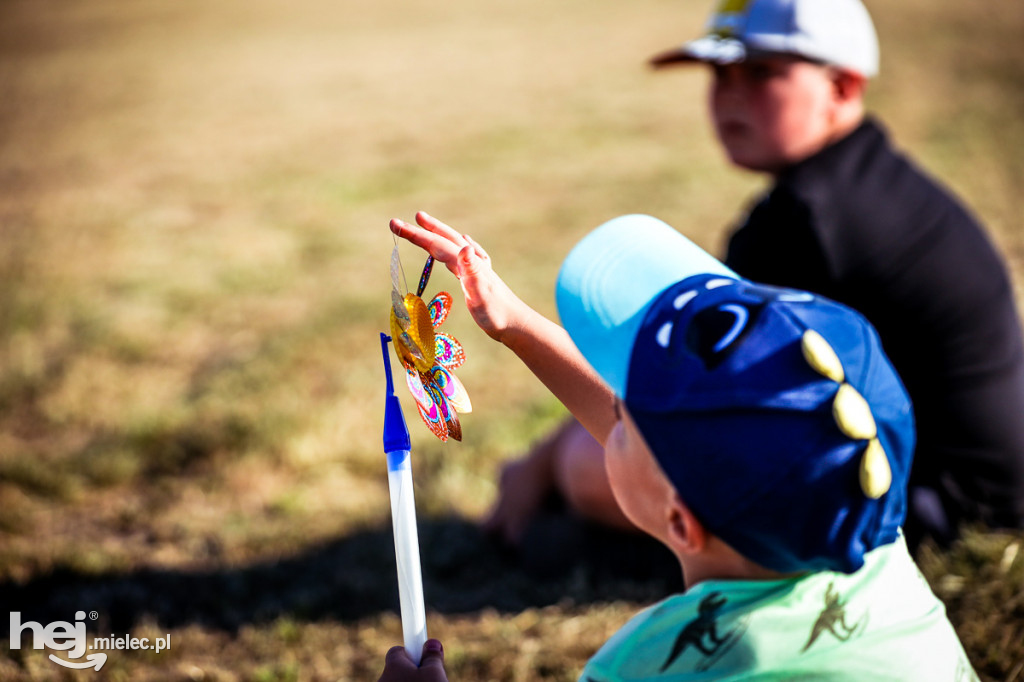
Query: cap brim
(710, 49)
(671, 58)
(610, 278)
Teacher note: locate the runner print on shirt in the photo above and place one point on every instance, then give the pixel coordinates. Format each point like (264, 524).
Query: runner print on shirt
(702, 633)
(833, 619)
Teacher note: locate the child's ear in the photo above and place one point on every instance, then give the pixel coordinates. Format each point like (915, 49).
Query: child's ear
(686, 533)
(848, 86)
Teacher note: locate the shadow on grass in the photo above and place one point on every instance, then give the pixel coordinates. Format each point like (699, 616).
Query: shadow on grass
(354, 577)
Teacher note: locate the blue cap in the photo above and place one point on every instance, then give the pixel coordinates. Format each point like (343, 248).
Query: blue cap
(774, 412)
(594, 269)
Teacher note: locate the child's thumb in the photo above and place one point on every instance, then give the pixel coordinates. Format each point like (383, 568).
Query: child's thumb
(469, 262)
(433, 655)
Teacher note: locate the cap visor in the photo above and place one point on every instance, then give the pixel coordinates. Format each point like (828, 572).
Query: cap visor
(711, 49)
(671, 58)
(610, 278)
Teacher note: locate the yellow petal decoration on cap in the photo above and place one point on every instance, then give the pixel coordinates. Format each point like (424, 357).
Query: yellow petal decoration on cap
(852, 414)
(875, 472)
(821, 356)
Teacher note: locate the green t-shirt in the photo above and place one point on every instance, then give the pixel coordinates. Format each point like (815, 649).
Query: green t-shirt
(881, 623)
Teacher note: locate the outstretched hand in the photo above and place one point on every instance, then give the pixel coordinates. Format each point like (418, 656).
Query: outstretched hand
(398, 667)
(494, 307)
(540, 343)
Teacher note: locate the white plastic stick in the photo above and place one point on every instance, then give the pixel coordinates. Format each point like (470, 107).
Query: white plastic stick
(407, 553)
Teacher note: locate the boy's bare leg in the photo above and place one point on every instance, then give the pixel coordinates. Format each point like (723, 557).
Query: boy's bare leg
(582, 479)
(570, 461)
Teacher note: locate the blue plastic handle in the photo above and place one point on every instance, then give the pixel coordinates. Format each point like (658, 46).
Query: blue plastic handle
(396, 433)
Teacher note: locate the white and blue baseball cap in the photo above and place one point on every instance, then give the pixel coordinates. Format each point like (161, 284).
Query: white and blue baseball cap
(773, 412)
(596, 264)
(836, 32)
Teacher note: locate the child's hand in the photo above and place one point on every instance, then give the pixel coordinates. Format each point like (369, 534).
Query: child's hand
(398, 667)
(494, 307)
(540, 343)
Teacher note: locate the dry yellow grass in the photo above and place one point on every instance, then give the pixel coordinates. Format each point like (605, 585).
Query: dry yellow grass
(193, 270)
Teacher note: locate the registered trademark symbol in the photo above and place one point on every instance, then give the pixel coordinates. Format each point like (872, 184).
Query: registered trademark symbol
(93, 615)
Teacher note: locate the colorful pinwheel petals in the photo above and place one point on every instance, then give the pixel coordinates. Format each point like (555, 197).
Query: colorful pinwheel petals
(429, 356)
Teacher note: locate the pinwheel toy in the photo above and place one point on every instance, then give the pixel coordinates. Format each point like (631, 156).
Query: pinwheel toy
(397, 448)
(428, 355)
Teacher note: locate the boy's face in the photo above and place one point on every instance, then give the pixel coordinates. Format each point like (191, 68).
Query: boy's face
(772, 112)
(640, 488)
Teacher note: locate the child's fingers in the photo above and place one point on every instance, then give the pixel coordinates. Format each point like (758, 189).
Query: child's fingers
(470, 263)
(476, 247)
(418, 236)
(398, 656)
(470, 266)
(433, 656)
(436, 245)
(431, 223)
(397, 665)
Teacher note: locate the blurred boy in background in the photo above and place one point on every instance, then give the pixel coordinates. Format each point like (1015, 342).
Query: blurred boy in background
(850, 219)
(759, 433)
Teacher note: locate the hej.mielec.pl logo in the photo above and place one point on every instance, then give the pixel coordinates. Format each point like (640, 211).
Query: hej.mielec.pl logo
(71, 637)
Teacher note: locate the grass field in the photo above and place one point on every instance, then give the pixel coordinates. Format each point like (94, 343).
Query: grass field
(194, 267)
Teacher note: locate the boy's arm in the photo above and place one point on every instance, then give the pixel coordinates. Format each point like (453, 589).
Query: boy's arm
(550, 354)
(542, 345)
